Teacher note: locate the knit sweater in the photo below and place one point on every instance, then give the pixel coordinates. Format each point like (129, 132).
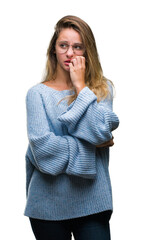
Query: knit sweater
(66, 175)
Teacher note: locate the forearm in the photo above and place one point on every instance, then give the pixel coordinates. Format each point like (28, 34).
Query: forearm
(55, 155)
(86, 119)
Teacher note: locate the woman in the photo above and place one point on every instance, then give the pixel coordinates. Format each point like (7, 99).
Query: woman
(69, 124)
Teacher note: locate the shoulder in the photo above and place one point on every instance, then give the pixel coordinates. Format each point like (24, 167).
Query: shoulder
(110, 87)
(34, 88)
(37, 89)
(108, 101)
(33, 93)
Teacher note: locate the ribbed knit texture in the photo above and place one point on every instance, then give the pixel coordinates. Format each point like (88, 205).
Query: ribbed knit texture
(66, 175)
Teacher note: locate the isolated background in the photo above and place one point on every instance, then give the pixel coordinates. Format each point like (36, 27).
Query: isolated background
(26, 28)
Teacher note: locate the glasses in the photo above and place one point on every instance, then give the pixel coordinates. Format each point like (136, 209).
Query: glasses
(78, 48)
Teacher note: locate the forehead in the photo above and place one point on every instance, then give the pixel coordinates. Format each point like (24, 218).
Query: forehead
(70, 35)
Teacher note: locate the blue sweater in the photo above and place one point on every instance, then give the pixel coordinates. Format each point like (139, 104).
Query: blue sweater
(66, 175)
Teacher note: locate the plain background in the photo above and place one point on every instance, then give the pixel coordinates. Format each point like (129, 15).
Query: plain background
(26, 28)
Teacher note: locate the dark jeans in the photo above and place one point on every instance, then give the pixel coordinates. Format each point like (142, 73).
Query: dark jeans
(92, 227)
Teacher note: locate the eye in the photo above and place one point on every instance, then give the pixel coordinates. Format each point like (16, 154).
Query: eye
(78, 47)
(63, 45)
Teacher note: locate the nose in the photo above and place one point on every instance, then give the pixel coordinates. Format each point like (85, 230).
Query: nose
(70, 52)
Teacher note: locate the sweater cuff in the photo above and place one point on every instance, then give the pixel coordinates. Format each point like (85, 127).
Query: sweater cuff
(83, 162)
(76, 109)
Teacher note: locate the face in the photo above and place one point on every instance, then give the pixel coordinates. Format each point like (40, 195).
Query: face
(68, 46)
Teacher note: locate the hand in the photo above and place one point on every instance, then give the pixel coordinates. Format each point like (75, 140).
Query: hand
(77, 72)
(109, 143)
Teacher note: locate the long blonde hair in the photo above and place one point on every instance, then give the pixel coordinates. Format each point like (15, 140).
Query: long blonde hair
(94, 78)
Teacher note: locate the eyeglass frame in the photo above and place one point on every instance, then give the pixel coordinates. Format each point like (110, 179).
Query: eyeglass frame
(72, 46)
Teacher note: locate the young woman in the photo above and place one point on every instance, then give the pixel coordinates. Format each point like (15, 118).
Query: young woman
(69, 124)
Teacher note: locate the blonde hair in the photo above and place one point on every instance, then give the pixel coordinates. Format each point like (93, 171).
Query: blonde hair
(94, 78)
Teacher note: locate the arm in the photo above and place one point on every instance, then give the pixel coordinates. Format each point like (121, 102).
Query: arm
(108, 102)
(86, 119)
(29, 171)
(53, 154)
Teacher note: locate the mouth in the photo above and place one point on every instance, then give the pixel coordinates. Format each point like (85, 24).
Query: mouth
(67, 62)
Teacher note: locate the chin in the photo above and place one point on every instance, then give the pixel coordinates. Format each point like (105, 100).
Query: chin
(67, 69)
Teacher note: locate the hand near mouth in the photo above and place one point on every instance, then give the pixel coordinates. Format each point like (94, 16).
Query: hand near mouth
(77, 72)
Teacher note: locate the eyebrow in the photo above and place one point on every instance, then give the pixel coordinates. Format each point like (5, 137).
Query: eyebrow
(67, 42)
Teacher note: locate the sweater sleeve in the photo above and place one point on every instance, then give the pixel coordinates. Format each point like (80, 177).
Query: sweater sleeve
(29, 171)
(55, 154)
(86, 119)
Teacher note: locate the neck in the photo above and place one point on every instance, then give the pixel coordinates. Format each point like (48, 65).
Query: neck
(63, 77)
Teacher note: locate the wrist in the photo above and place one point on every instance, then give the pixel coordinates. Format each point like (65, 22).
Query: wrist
(78, 89)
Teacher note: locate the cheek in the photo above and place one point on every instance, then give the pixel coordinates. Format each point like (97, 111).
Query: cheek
(58, 57)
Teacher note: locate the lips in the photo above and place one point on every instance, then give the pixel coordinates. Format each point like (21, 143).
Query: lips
(68, 61)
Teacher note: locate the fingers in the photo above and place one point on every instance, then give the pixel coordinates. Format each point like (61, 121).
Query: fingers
(71, 67)
(110, 143)
(78, 61)
(83, 62)
(74, 61)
